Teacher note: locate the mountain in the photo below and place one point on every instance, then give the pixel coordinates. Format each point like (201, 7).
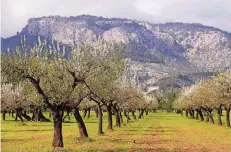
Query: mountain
(156, 51)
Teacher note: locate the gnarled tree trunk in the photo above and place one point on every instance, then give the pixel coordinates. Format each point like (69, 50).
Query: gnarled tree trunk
(219, 113)
(133, 114)
(128, 117)
(209, 111)
(146, 112)
(84, 113)
(4, 115)
(82, 128)
(197, 116)
(88, 112)
(227, 117)
(28, 118)
(58, 137)
(38, 115)
(100, 128)
(200, 114)
(67, 115)
(191, 113)
(109, 116)
(117, 116)
(141, 114)
(96, 112)
(19, 115)
(12, 113)
(121, 117)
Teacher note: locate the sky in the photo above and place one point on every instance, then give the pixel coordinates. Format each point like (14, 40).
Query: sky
(217, 13)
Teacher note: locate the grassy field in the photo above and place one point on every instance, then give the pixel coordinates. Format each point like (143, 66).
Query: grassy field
(159, 132)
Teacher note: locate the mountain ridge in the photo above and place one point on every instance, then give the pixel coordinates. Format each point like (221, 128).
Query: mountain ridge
(169, 49)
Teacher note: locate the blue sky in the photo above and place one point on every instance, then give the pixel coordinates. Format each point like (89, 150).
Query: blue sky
(217, 13)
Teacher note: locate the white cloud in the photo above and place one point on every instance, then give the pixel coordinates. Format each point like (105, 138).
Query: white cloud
(15, 13)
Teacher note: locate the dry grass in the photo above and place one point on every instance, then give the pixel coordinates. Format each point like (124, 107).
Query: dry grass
(158, 132)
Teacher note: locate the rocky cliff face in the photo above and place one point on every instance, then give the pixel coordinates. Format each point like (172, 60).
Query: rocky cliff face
(156, 51)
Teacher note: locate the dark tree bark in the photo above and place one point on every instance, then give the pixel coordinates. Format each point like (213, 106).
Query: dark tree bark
(207, 118)
(227, 117)
(117, 115)
(109, 116)
(96, 112)
(125, 113)
(128, 117)
(34, 115)
(67, 115)
(133, 114)
(121, 117)
(146, 112)
(84, 113)
(211, 119)
(58, 137)
(24, 115)
(186, 113)
(4, 115)
(141, 114)
(219, 113)
(16, 117)
(19, 115)
(210, 115)
(12, 113)
(205, 113)
(38, 115)
(191, 113)
(42, 117)
(100, 128)
(200, 114)
(82, 128)
(197, 116)
(88, 112)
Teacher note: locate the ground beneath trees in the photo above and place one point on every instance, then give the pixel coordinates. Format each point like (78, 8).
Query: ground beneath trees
(158, 132)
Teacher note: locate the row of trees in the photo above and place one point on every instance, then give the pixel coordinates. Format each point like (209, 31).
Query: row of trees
(213, 94)
(46, 77)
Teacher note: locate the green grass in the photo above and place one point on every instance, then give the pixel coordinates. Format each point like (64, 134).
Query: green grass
(160, 132)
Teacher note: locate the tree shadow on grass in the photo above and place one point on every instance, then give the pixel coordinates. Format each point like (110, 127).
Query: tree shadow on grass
(67, 122)
(31, 130)
(15, 140)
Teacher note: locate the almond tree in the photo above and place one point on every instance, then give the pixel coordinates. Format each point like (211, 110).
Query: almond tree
(185, 100)
(222, 87)
(12, 96)
(208, 95)
(79, 97)
(126, 102)
(106, 78)
(53, 75)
